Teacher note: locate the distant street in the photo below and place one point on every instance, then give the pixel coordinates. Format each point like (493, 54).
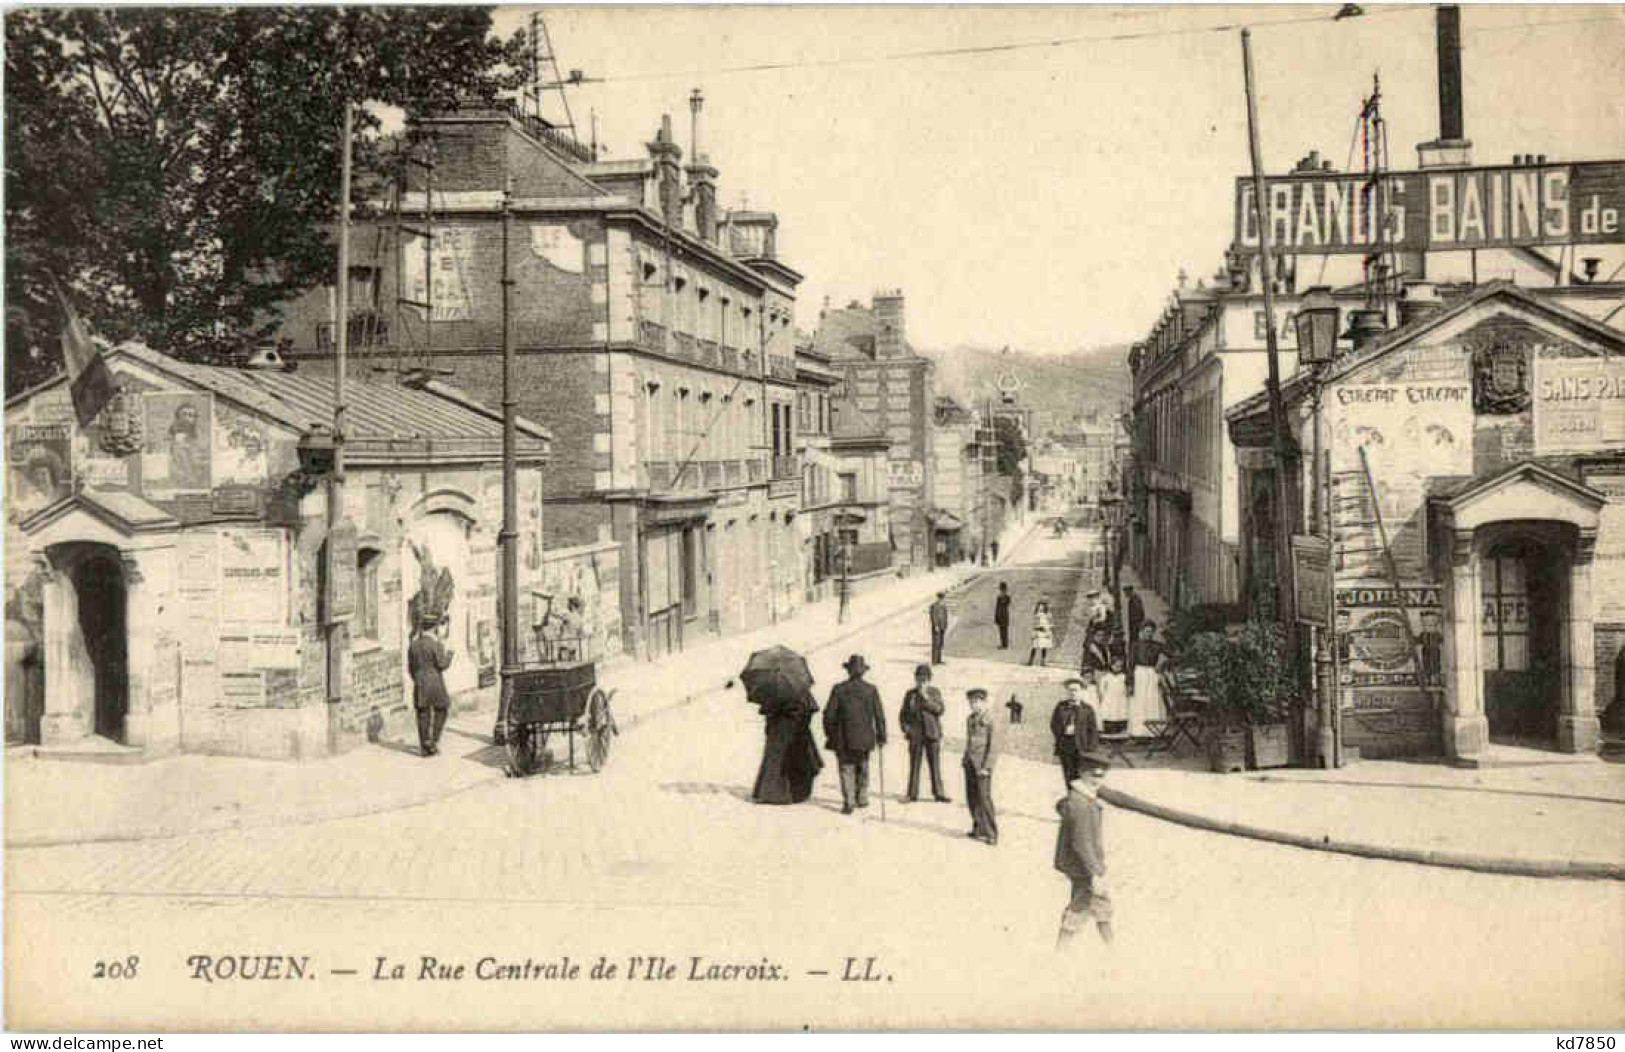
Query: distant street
(663, 854)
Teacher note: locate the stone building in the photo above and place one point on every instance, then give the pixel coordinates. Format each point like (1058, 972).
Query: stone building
(653, 330)
(959, 508)
(1467, 470)
(885, 379)
(173, 575)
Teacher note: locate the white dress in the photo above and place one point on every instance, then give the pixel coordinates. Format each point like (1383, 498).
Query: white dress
(1146, 703)
(1113, 697)
(1043, 636)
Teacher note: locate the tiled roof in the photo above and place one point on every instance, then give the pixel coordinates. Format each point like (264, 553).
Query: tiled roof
(376, 412)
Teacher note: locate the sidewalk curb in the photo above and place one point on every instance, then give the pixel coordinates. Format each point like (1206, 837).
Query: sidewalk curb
(407, 802)
(1498, 865)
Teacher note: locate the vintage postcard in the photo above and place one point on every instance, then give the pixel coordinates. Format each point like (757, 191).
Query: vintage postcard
(773, 518)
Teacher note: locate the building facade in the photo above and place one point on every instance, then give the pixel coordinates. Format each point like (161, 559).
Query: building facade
(886, 381)
(174, 573)
(1469, 492)
(654, 329)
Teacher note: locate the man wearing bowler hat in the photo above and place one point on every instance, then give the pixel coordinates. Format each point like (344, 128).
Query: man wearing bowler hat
(922, 726)
(1080, 852)
(854, 724)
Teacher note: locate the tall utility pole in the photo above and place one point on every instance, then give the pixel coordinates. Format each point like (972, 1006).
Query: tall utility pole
(508, 538)
(337, 629)
(1283, 483)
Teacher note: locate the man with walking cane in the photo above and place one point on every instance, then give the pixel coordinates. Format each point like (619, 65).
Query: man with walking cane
(854, 724)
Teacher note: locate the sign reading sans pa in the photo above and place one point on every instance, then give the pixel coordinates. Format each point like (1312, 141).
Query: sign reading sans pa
(1440, 210)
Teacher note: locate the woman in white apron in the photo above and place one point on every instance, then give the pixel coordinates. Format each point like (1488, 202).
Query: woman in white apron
(1148, 661)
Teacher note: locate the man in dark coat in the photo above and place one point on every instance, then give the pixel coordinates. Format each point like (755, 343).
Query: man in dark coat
(427, 658)
(854, 724)
(922, 726)
(1075, 727)
(981, 749)
(1001, 615)
(1080, 852)
(939, 628)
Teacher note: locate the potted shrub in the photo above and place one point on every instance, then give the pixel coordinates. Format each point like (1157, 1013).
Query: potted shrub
(1249, 684)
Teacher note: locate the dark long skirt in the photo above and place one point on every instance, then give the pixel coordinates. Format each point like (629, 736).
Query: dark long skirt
(790, 761)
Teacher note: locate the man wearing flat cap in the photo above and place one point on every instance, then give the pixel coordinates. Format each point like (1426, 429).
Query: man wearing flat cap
(981, 749)
(1080, 852)
(854, 724)
(921, 719)
(1075, 726)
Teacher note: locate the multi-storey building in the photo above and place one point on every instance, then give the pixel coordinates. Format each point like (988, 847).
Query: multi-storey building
(652, 328)
(884, 379)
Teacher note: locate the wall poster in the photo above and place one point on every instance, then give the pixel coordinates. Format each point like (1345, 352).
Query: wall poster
(176, 454)
(39, 467)
(254, 573)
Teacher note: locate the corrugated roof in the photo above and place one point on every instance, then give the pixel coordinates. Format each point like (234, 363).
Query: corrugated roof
(376, 411)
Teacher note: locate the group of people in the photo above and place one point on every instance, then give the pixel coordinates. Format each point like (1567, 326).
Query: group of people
(1043, 631)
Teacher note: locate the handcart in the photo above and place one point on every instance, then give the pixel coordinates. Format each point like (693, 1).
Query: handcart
(558, 695)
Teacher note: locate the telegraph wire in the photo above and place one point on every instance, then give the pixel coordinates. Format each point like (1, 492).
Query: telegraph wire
(992, 49)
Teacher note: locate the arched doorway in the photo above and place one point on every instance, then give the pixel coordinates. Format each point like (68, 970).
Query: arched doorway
(1522, 582)
(102, 646)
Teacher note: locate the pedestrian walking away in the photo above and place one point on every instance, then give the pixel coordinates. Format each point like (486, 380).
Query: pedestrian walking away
(921, 721)
(1043, 635)
(939, 628)
(981, 750)
(1001, 615)
(1075, 726)
(428, 657)
(854, 724)
(1080, 852)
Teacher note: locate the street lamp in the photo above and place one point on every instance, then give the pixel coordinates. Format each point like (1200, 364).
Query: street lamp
(1316, 325)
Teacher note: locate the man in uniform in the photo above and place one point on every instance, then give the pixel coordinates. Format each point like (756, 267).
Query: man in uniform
(980, 751)
(427, 657)
(922, 726)
(939, 628)
(1080, 852)
(854, 724)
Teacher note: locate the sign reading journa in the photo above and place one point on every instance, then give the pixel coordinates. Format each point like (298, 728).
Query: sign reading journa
(1579, 404)
(1460, 208)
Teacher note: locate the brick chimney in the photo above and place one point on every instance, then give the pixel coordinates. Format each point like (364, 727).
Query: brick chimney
(888, 310)
(1452, 147)
(667, 156)
(702, 178)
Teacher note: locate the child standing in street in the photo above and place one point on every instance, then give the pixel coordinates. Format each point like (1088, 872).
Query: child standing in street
(1080, 852)
(1043, 634)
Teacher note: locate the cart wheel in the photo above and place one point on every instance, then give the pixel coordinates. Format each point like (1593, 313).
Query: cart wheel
(600, 729)
(523, 749)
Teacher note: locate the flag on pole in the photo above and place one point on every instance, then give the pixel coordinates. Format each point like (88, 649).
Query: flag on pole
(90, 382)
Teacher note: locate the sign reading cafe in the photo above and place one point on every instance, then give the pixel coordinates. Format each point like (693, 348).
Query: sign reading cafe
(1459, 208)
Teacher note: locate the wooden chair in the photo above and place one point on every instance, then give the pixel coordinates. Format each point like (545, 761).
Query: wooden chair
(1183, 702)
(1114, 738)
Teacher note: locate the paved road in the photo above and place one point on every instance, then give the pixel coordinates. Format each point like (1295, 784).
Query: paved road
(663, 855)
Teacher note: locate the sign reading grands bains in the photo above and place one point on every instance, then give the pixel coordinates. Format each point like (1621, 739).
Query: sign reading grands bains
(1439, 210)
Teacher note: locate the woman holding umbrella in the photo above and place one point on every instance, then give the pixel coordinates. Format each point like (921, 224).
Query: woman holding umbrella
(779, 683)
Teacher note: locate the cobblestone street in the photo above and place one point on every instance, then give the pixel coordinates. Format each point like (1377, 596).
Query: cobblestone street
(663, 854)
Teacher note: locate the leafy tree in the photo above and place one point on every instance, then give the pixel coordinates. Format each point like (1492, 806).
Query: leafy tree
(1010, 451)
(178, 168)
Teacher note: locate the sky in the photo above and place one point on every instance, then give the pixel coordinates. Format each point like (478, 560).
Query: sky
(1047, 197)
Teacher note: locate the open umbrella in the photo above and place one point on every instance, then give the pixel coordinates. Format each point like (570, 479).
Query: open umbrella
(777, 673)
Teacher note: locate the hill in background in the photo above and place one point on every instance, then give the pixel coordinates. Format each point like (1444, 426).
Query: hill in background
(1057, 387)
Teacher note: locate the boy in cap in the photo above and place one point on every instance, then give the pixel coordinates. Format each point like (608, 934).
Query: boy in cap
(1075, 726)
(980, 751)
(1080, 851)
(854, 724)
(921, 719)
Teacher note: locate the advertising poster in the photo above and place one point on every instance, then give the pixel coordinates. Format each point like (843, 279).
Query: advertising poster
(253, 572)
(39, 467)
(240, 449)
(1579, 404)
(1409, 432)
(1374, 627)
(450, 259)
(1608, 560)
(177, 451)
